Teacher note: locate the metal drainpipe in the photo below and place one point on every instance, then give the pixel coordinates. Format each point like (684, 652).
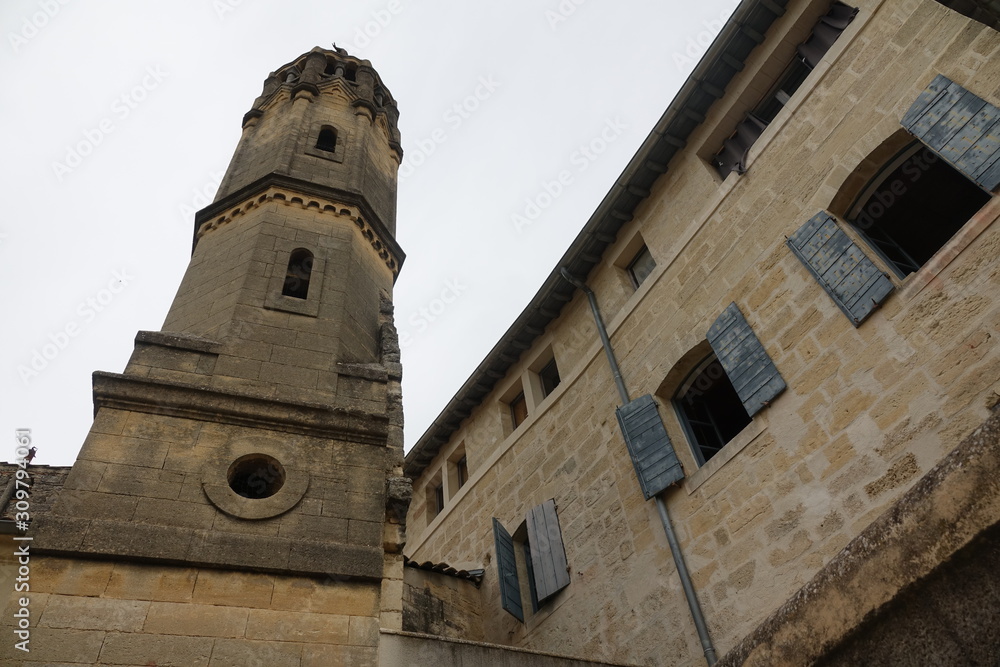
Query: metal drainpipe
(675, 547)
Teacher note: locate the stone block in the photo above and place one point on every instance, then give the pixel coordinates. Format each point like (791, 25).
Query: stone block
(238, 589)
(364, 631)
(55, 645)
(236, 550)
(303, 526)
(244, 653)
(328, 596)
(197, 620)
(286, 626)
(69, 577)
(335, 559)
(91, 613)
(151, 582)
(159, 650)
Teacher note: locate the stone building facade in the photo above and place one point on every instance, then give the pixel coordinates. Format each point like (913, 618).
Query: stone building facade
(793, 404)
(799, 278)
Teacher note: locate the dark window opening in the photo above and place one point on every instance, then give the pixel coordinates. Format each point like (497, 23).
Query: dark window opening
(532, 589)
(782, 91)
(710, 409)
(641, 266)
(549, 375)
(518, 410)
(327, 140)
(300, 265)
(912, 209)
(256, 476)
(733, 154)
(986, 12)
(351, 74)
(462, 471)
(438, 499)
(331, 68)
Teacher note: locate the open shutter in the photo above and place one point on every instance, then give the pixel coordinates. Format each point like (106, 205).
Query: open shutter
(510, 588)
(851, 279)
(548, 556)
(960, 127)
(750, 369)
(649, 446)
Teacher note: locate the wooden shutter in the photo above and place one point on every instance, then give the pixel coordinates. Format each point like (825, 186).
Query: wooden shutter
(548, 556)
(510, 588)
(649, 446)
(851, 279)
(750, 369)
(960, 127)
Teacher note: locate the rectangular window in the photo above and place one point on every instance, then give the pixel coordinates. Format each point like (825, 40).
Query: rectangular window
(549, 375)
(541, 556)
(735, 150)
(438, 499)
(518, 410)
(462, 471)
(641, 266)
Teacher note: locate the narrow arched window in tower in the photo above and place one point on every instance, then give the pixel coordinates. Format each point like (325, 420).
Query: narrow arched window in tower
(300, 265)
(327, 139)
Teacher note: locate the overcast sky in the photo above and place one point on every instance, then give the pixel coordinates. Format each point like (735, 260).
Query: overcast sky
(119, 119)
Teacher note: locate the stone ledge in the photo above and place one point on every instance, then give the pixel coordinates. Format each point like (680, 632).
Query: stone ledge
(131, 541)
(123, 392)
(179, 341)
(951, 506)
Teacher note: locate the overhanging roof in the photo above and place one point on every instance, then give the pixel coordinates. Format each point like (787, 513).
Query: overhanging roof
(724, 59)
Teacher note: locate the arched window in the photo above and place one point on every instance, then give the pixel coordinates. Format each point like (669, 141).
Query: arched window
(300, 265)
(327, 140)
(711, 410)
(913, 205)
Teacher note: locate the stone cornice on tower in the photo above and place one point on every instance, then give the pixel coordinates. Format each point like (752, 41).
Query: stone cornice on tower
(323, 70)
(294, 191)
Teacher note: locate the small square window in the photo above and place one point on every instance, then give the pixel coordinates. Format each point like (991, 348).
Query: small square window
(518, 410)
(549, 375)
(641, 266)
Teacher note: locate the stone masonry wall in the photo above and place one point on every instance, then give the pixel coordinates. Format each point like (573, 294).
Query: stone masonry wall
(88, 613)
(867, 411)
(441, 605)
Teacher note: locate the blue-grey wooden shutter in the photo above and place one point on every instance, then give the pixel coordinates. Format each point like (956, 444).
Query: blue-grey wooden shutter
(851, 279)
(960, 127)
(548, 556)
(510, 588)
(749, 368)
(652, 453)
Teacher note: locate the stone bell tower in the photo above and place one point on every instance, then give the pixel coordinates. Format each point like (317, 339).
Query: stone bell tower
(240, 492)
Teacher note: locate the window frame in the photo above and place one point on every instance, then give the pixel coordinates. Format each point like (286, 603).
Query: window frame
(680, 396)
(876, 183)
(630, 268)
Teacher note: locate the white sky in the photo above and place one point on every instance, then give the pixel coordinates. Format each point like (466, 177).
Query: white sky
(560, 73)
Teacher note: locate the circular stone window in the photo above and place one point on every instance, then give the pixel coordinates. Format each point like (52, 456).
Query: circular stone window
(256, 476)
